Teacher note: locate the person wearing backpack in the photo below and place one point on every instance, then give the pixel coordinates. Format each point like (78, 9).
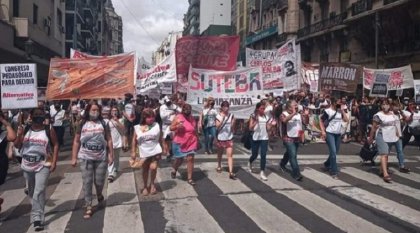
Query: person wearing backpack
(260, 124)
(38, 146)
(92, 148)
(225, 126)
(331, 130)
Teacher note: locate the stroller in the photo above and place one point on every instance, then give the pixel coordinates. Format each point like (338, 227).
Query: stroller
(369, 151)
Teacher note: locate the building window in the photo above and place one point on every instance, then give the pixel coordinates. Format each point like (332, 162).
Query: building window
(59, 17)
(325, 8)
(35, 14)
(15, 8)
(343, 5)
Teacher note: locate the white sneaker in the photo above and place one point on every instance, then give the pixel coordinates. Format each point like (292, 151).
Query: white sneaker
(250, 167)
(263, 177)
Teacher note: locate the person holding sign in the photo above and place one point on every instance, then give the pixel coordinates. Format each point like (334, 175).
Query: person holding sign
(331, 129)
(38, 145)
(386, 133)
(225, 123)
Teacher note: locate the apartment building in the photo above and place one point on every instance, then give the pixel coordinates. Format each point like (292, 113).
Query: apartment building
(32, 31)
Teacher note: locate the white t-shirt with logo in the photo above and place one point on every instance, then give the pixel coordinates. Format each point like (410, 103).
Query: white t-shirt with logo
(225, 133)
(149, 141)
(211, 114)
(388, 126)
(416, 118)
(335, 123)
(34, 151)
(294, 125)
(93, 144)
(260, 129)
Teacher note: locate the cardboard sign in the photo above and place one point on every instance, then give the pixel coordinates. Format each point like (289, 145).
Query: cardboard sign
(18, 86)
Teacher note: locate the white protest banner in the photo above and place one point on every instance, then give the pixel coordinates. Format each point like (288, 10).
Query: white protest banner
(162, 72)
(290, 64)
(269, 61)
(417, 91)
(18, 86)
(310, 75)
(166, 88)
(399, 78)
(240, 88)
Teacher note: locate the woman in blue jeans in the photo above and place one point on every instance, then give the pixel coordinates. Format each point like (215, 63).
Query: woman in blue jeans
(334, 115)
(208, 121)
(292, 130)
(260, 124)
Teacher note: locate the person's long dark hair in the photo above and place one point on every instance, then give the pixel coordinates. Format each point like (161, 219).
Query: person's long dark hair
(85, 116)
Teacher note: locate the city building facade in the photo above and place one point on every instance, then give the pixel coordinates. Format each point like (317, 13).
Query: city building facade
(112, 31)
(192, 18)
(32, 32)
(372, 33)
(166, 48)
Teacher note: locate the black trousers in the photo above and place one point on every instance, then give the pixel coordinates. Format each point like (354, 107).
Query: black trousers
(59, 131)
(4, 166)
(407, 136)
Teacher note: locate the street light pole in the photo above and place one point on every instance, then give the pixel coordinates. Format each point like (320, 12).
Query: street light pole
(75, 26)
(376, 38)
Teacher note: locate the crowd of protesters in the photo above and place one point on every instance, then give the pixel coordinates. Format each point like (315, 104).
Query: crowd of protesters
(149, 128)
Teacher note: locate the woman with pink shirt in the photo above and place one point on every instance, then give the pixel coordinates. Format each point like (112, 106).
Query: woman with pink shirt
(185, 141)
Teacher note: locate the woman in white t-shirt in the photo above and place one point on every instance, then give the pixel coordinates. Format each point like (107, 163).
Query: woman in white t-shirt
(208, 121)
(147, 139)
(335, 116)
(260, 124)
(116, 126)
(412, 119)
(225, 123)
(384, 127)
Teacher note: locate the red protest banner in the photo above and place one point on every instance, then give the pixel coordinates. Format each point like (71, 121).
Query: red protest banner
(207, 52)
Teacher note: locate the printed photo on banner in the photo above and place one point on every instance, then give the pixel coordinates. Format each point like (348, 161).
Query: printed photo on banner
(18, 86)
(90, 78)
(204, 52)
(379, 90)
(240, 88)
(398, 78)
(162, 72)
(339, 77)
(290, 65)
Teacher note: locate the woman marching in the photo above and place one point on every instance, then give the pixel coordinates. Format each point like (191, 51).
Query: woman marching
(384, 126)
(260, 124)
(116, 126)
(38, 145)
(225, 123)
(292, 130)
(92, 148)
(185, 142)
(147, 140)
(331, 131)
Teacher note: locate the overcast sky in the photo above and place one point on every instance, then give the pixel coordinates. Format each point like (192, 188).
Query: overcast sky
(147, 22)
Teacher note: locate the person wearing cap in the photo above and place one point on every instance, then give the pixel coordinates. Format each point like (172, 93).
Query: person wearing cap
(207, 120)
(167, 112)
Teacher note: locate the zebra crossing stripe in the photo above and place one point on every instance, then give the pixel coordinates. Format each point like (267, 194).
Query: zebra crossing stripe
(374, 179)
(412, 176)
(61, 203)
(402, 212)
(122, 206)
(321, 207)
(267, 217)
(182, 210)
(14, 198)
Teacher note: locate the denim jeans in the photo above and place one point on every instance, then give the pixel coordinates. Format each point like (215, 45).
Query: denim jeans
(255, 146)
(333, 142)
(209, 136)
(400, 153)
(291, 156)
(37, 185)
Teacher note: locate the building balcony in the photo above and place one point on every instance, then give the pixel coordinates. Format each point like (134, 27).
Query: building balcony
(322, 25)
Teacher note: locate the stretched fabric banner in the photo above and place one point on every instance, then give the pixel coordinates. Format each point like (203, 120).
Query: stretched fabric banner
(310, 75)
(339, 77)
(269, 61)
(89, 78)
(240, 88)
(164, 72)
(18, 86)
(204, 52)
(398, 78)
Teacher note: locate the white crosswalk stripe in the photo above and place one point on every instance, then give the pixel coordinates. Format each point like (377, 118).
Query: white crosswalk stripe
(393, 208)
(184, 211)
